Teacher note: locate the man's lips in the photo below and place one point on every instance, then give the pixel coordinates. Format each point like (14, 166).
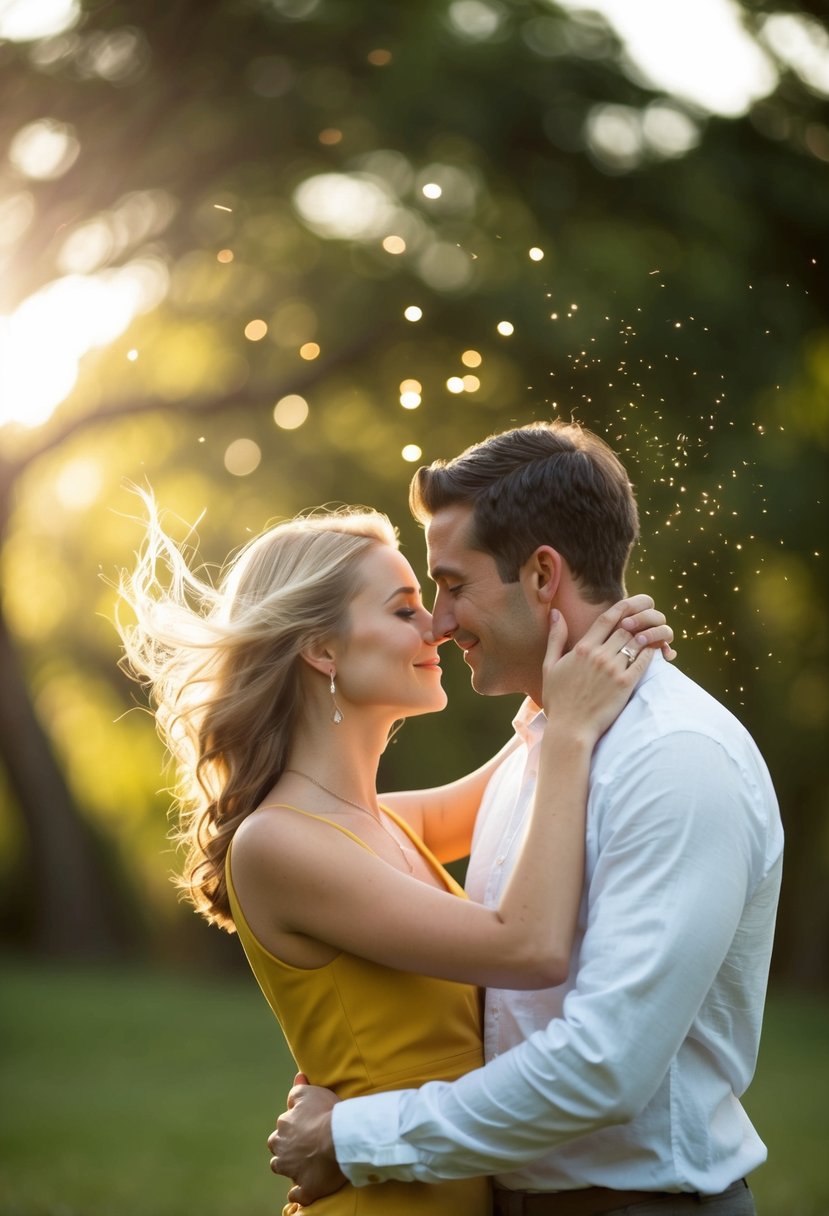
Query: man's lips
(466, 646)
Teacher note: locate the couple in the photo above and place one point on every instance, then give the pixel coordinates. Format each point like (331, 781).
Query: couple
(621, 1024)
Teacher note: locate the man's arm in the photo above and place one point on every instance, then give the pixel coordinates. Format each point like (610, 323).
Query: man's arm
(676, 862)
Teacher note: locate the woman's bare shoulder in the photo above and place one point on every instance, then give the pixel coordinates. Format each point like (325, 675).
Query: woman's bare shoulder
(276, 832)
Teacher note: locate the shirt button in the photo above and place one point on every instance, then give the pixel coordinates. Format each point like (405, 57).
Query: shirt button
(373, 1177)
(499, 861)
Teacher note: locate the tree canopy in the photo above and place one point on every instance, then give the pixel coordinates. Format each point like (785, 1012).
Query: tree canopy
(265, 254)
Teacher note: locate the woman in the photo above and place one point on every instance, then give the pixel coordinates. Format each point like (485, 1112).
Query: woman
(276, 694)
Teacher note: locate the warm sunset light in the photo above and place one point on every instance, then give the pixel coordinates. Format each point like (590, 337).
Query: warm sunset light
(65, 320)
(22, 20)
(253, 256)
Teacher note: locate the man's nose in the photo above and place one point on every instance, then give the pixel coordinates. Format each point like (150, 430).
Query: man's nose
(434, 638)
(443, 620)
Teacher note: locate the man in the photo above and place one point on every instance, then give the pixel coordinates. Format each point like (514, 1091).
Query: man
(622, 1086)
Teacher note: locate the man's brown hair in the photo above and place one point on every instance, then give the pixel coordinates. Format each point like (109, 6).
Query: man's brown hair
(547, 483)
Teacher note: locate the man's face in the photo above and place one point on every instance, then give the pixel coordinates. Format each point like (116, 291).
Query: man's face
(501, 627)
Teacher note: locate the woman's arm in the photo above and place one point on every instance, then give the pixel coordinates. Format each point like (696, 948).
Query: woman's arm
(444, 816)
(297, 877)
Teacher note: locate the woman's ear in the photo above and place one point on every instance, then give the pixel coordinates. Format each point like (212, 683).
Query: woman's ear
(542, 572)
(320, 656)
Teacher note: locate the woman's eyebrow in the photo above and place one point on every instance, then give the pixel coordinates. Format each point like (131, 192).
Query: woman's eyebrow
(402, 591)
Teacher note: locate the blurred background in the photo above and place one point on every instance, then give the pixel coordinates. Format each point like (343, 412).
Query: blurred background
(262, 255)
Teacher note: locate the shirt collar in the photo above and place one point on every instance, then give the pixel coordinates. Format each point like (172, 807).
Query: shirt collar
(530, 720)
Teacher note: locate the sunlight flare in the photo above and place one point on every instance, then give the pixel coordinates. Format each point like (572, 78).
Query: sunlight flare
(44, 340)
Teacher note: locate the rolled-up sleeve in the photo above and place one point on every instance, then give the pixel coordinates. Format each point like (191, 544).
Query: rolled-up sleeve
(680, 850)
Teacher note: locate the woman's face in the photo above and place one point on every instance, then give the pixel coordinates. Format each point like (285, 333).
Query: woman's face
(389, 657)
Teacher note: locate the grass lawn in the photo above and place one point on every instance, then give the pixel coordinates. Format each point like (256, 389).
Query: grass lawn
(130, 1093)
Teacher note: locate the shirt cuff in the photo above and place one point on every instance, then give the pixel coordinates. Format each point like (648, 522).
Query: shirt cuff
(365, 1134)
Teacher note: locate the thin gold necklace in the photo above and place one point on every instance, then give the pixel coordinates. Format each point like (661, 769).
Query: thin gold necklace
(357, 807)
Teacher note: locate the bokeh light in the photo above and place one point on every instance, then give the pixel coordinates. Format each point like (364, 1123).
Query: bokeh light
(445, 267)
(348, 206)
(701, 52)
(290, 412)
(411, 452)
(242, 457)
(44, 150)
(78, 483)
(26, 20)
(410, 394)
(256, 330)
(476, 20)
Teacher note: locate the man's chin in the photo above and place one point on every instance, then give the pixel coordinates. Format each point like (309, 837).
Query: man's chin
(485, 683)
(485, 687)
(488, 684)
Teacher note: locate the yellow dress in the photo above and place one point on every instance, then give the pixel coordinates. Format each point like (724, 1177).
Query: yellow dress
(358, 1028)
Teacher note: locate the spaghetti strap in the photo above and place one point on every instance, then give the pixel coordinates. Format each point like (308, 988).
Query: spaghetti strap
(286, 806)
(426, 853)
(428, 856)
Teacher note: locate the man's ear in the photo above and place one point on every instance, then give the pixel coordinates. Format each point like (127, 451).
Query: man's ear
(542, 573)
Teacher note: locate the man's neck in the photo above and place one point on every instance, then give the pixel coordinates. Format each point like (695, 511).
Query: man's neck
(577, 612)
(579, 615)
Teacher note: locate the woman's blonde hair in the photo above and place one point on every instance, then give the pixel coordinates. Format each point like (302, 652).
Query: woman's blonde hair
(222, 665)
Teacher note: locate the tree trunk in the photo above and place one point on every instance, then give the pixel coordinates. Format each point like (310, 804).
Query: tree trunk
(77, 913)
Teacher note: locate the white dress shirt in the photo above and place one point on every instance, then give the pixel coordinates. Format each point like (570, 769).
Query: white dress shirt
(628, 1076)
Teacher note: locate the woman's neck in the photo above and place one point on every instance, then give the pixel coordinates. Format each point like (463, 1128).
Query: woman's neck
(342, 758)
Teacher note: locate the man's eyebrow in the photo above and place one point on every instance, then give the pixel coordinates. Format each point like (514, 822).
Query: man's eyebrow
(402, 591)
(445, 572)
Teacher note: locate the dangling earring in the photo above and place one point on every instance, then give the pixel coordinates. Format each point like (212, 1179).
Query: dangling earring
(337, 715)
